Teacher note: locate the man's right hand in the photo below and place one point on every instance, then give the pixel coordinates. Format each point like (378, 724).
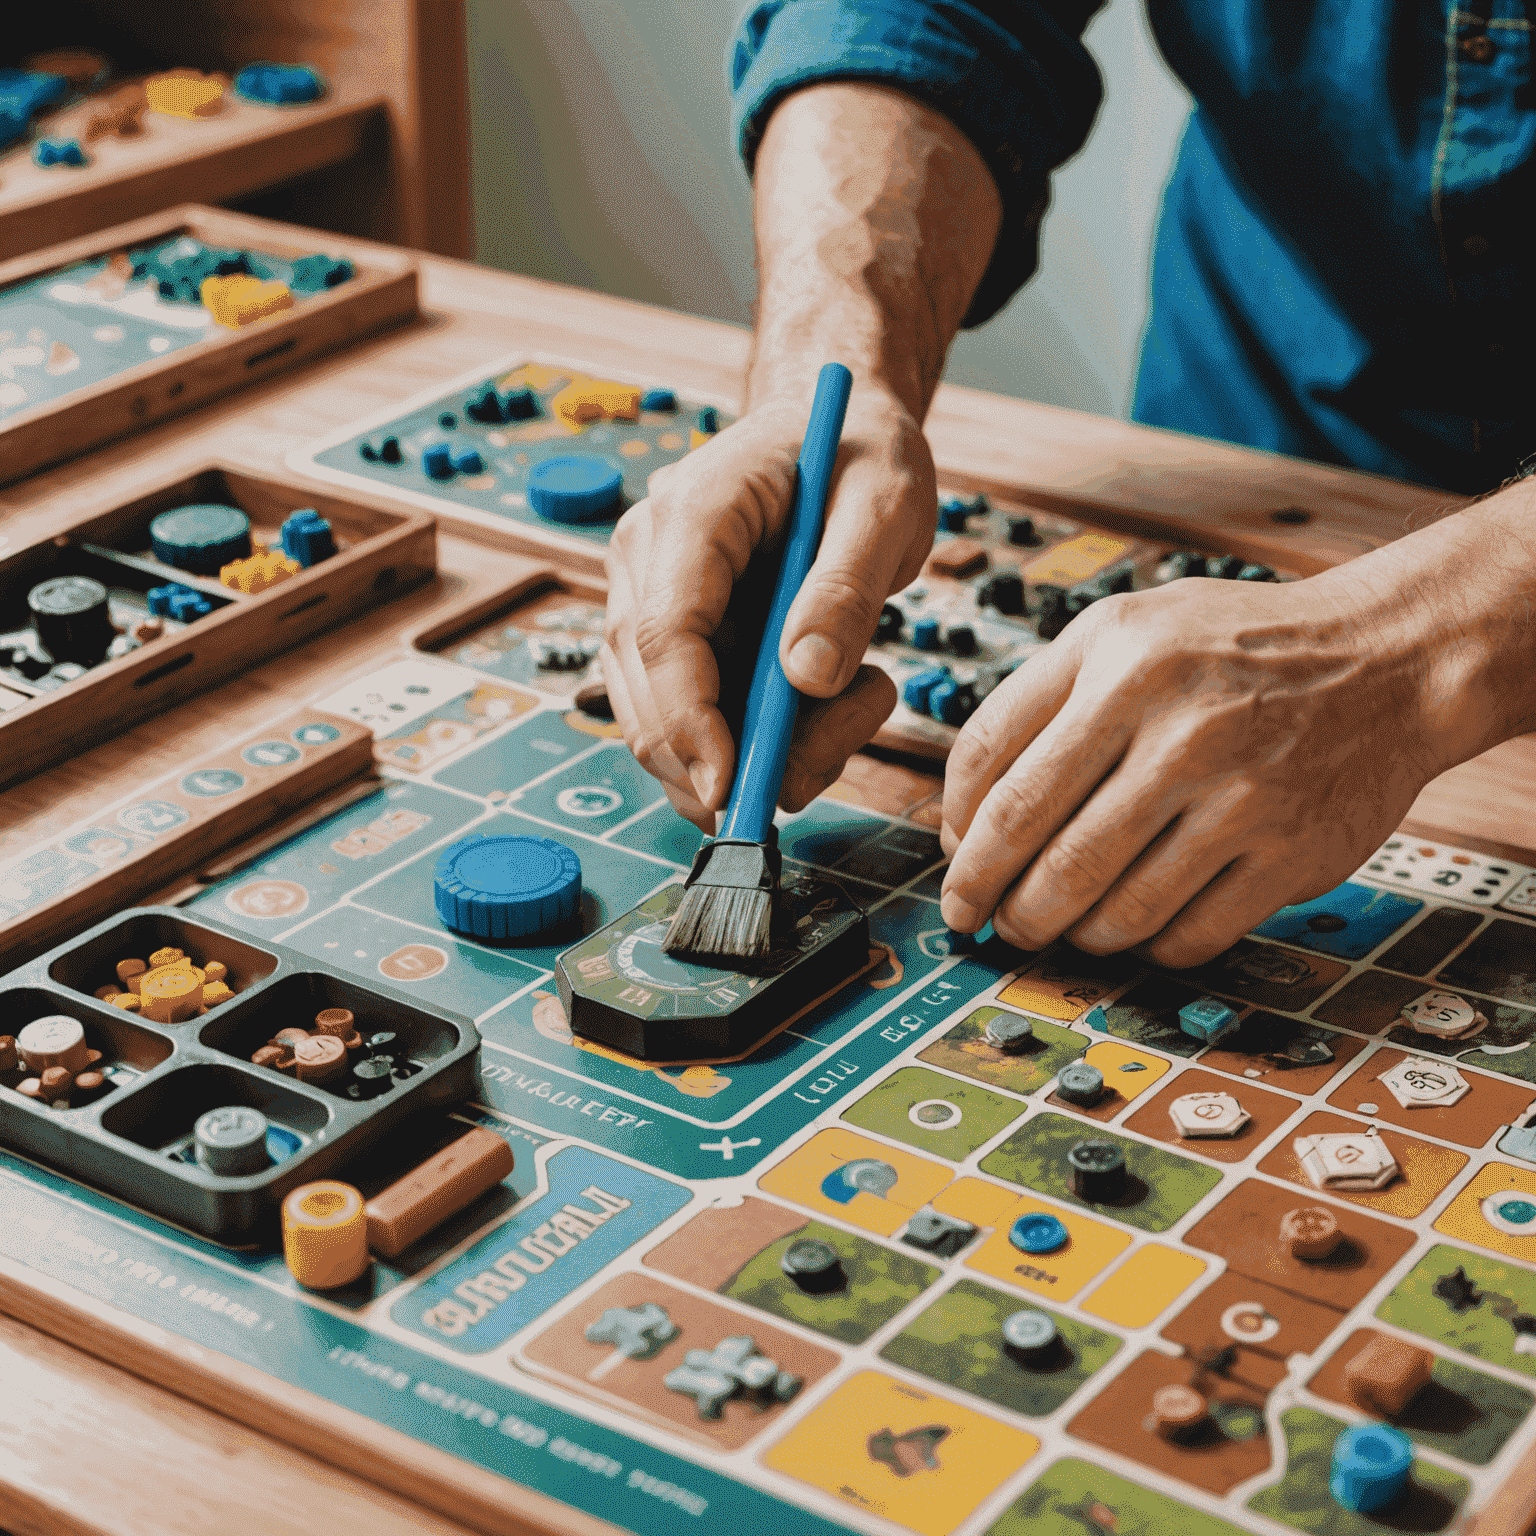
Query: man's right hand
(676, 556)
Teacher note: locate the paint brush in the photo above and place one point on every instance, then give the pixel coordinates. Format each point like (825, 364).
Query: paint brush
(726, 914)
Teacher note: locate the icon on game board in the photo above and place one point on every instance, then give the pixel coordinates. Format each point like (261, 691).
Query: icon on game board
(914, 1451)
(268, 898)
(588, 800)
(152, 817)
(413, 962)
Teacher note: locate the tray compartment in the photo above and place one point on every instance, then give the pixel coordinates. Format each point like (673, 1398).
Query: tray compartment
(93, 962)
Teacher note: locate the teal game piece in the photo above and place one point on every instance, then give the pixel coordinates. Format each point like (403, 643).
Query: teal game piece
(201, 538)
(1371, 1463)
(1036, 1232)
(507, 887)
(278, 85)
(658, 400)
(576, 488)
(307, 537)
(437, 461)
(58, 152)
(1207, 1019)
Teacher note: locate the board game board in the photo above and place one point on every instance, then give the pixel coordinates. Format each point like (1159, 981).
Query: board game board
(587, 1330)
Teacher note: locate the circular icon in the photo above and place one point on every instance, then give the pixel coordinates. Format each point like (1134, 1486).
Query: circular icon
(212, 782)
(588, 800)
(315, 734)
(935, 1115)
(269, 754)
(268, 898)
(1512, 1212)
(413, 962)
(152, 817)
(1249, 1323)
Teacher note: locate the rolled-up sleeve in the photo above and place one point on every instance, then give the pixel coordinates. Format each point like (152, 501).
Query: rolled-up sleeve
(1012, 75)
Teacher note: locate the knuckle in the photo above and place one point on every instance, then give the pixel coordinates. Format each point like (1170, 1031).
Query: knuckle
(1133, 909)
(1012, 806)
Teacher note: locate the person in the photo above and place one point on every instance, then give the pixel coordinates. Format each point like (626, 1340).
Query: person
(1342, 271)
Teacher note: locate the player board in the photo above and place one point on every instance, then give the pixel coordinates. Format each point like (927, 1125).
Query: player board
(855, 1280)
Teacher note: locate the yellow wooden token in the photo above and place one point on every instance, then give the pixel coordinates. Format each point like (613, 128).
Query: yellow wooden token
(325, 1234)
(166, 956)
(171, 994)
(214, 993)
(186, 94)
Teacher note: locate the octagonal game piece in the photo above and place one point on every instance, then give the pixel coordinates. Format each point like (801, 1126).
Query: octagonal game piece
(1037, 1232)
(1443, 1015)
(1355, 1161)
(1417, 1083)
(1310, 1232)
(1386, 1375)
(1207, 1019)
(620, 988)
(1207, 1114)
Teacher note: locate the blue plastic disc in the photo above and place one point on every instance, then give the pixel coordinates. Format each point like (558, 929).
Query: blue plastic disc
(1371, 1465)
(1037, 1233)
(201, 537)
(576, 488)
(507, 887)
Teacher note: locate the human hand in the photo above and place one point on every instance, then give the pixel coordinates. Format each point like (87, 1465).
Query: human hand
(1182, 762)
(676, 563)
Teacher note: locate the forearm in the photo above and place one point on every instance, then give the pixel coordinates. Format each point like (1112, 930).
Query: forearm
(875, 218)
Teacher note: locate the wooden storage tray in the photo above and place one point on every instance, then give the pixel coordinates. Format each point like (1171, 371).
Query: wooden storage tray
(382, 292)
(379, 553)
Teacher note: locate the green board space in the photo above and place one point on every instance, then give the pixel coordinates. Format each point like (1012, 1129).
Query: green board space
(1301, 1498)
(964, 1049)
(1465, 1413)
(957, 1342)
(880, 1283)
(1161, 1185)
(1074, 1498)
(1486, 1328)
(933, 1113)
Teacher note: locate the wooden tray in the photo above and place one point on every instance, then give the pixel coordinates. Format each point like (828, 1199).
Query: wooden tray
(382, 292)
(379, 553)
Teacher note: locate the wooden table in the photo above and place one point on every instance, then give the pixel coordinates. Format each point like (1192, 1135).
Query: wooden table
(85, 1446)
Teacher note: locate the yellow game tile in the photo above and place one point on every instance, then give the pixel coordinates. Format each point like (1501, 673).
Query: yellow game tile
(807, 1175)
(1074, 561)
(1089, 1250)
(584, 400)
(904, 1454)
(184, 93)
(1110, 1056)
(1497, 1210)
(538, 376)
(1049, 989)
(1150, 1280)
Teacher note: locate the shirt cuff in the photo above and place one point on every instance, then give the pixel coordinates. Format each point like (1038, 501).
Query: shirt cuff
(1024, 93)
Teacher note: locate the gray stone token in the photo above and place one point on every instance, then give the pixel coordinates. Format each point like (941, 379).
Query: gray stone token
(1029, 1332)
(870, 1175)
(1080, 1083)
(936, 1233)
(1010, 1032)
(813, 1265)
(232, 1141)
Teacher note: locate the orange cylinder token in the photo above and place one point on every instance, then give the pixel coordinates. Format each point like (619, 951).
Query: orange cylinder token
(1310, 1232)
(128, 970)
(334, 1021)
(1177, 1410)
(170, 994)
(319, 1058)
(325, 1234)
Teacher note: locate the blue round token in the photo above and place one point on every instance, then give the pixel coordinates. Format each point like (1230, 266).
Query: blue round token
(201, 537)
(507, 887)
(1371, 1465)
(278, 84)
(1037, 1233)
(576, 488)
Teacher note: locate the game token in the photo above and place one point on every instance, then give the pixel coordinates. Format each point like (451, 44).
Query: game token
(437, 1189)
(1371, 1463)
(1096, 1171)
(1443, 1015)
(1386, 1374)
(938, 1234)
(576, 488)
(634, 1332)
(1030, 1336)
(54, 1041)
(1207, 1114)
(1080, 1083)
(325, 1234)
(232, 1141)
(200, 537)
(278, 84)
(1207, 1019)
(1010, 1032)
(1177, 1411)
(72, 618)
(813, 1265)
(1310, 1232)
(507, 887)
(319, 1058)
(1417, 1083)
(1511, 1211)
(1036, 1232)
(1353, 1161)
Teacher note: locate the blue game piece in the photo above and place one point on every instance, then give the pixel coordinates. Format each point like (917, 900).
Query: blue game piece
(307, 537)
(709, 419)
(917, 689)
(201, 537)
(576, 488)
(1371, 1464)
(24, 92)
(1207, 1019)
(369, 452)
(1035, 1232)
(925, 634)
(185, 605)
(952, 703)
(317, 272)
(953, 513)
(437, 461)
(58, 152)
(658, 400)
(448, 421)
(159, 600)
(278, 84)
(507, 887)
(519, 405)
(467, 460)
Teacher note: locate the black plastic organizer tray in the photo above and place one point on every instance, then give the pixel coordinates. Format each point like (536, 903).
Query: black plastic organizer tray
(133, 1138)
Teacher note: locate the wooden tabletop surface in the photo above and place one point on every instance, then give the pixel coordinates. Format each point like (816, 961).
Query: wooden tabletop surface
(87, 1447)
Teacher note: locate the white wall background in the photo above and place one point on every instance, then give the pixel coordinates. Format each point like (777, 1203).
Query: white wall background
(601, 156)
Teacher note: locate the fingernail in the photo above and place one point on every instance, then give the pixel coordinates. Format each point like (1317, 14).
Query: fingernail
(959, 914)
(817, 659)
(703, 778)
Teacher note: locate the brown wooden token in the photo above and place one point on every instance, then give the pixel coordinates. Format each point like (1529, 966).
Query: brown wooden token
(437, 1189)
(1310, 1232)
(107, 993)
(334, 1021)
(268, 1056)
(7, 1053)
(319, 1058)
(56, 1083)
(1387, 1374)
(89, 1082)
(1176, 1410)
(171, 994)
(128, 971)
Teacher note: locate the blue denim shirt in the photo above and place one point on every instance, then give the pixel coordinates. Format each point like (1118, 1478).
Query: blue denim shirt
(1343, 268)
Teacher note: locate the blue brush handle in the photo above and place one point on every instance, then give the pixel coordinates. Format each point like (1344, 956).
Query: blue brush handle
(771, 702)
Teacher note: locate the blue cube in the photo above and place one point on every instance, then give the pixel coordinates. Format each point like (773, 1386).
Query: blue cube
(658, 400)
(467, 460)
(307, 537)
(1207, 1019)
(437, 461)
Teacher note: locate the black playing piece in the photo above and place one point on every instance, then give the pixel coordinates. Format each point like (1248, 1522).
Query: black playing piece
(1186, 562)
(888, 625)
(1021, 530)
(814, 1266)
(1053, 612)
(1257, 573)
(72, 618)
(961, 640)
(1327, 922)
(389, 451)
(1228, 567)
(938, 1234)
(1080, 1083)
(1004, 592)
(373, 1076)
(1458, 1292)
(30, 665)
(1096, 1171)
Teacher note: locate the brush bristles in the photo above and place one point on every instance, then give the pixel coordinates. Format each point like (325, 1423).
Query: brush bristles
(722, 923)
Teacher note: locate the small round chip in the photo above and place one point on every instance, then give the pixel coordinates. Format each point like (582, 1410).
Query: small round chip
(1037, 1232)
(1030, 1334)
(201, 537)
(232, 1140)
(576, 488)
(507, 888)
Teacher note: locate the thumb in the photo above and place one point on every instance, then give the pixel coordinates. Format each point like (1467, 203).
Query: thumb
(875, 541)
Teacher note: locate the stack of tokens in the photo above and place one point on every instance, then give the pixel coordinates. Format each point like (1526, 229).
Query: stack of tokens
(64, 1070)
(169, 988)
(321, 1054)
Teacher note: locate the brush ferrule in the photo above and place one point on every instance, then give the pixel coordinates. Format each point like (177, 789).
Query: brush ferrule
(740, 863)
